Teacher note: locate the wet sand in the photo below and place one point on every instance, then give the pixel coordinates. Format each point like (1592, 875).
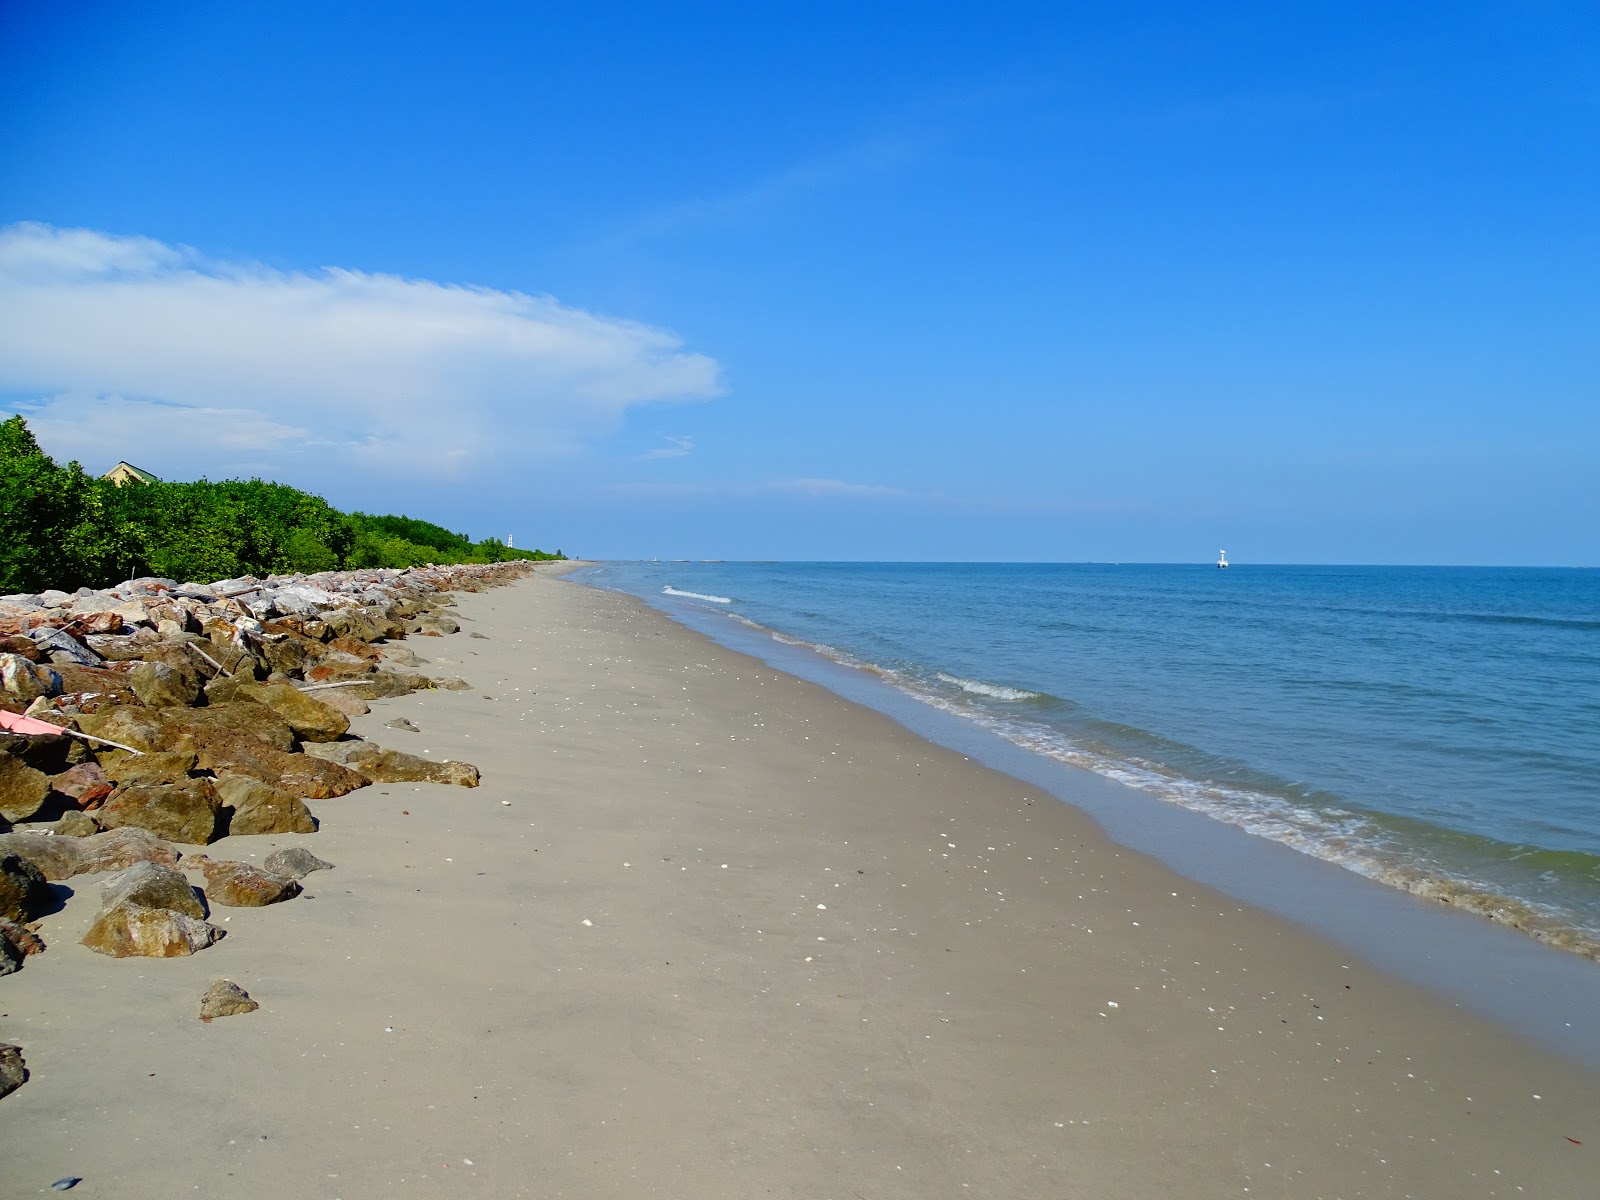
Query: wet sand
(707, 930)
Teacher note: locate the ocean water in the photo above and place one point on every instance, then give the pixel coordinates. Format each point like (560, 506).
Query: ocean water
(1436, 729)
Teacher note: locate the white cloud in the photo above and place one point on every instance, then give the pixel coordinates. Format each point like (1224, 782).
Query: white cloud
(676, 447)
(137, 348)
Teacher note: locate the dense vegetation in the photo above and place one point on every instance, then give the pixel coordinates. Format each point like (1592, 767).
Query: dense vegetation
(64, 529)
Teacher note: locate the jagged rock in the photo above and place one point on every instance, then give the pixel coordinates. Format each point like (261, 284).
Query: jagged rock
(24, 893)
(308, 716)
(22, 789)
(61, 646)
(25, 681)
(241, 885)
(160, 686)
(225, 998)
(355, 646)
(10, 956)
(129, 770)
(97, 681)
(341, 699)
(56, 858)
(302, 774)
(141, 728)
(118, 849)
(200, 729)
(85, 784)
(76, 824)
(129, 931)
(433, 625)
(295, 862)
(25, 940)
(396, 766)
(179, 812)
(261, 808)
(15, 643)
(401, 723)
(13, 1070)
(152, 886)
(403, 656)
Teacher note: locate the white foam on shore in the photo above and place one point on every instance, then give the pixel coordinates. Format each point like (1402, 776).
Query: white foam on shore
(672, 591)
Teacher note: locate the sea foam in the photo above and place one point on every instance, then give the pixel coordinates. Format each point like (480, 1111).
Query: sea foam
(672, 591)
(994, 691)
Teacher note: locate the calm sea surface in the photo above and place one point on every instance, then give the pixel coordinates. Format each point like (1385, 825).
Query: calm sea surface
(1437, 729)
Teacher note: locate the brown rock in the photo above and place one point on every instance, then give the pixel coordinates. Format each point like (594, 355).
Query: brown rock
(151, 886)
(85, 784)
(224, 998)
(56, 858)
(130, 931)
(355, 646)
(76, 824)
(341, 699)
(295, 862)
(199, 728)
(241, 885)
(13, 1070)
(396, 766)
(25, 940)
(24, 894)
(22, 789)
(141, 728)
(118, 849)
(130, 769)
(179, 812)
(15, 643)
(308, 716)
(301, 774)
(97, 681)
(160, 686)
(292, 653)
(261, 808)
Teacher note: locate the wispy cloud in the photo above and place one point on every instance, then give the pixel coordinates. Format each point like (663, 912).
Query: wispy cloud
(182, 354)
(676, 447)
(835, 487)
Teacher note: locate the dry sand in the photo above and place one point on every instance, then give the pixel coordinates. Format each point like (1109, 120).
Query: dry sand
(710, 931)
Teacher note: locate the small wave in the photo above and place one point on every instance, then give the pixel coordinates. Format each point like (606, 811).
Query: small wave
(672, 591)
(994, 691)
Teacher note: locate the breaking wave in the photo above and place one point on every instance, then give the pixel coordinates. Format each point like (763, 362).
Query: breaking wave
(672, 591)
(994, 691)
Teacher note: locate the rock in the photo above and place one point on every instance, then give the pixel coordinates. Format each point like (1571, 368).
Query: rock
(13, 1070)
(160, 686)
(61, 646)
(141, 728)
(151, 886)
(341, 699)
(396, 766)
(85, 784)
(308, 716)
(129, 931)
(97, 681)
(56, 858)
(433, 625)
(10, 956)
(128, 770)
(200, 729)
(295, 862)
(224, 998)
(179, 812)
(76, 824)
(22, 789)
(240, 885)
(481, 637)
(24, 940)
(401, 723)
(403, 656)
(261, 808)
(24, 893)
(25, 682)
(15, 643)
(118, 849)
(452, 684)
(302, 774)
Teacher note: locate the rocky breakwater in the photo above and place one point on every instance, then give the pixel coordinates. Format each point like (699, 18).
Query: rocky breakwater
(190, 712)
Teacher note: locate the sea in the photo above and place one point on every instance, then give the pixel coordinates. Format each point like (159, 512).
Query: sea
(1435, 729)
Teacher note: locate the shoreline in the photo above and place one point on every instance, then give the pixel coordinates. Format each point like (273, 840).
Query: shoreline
(709, 929)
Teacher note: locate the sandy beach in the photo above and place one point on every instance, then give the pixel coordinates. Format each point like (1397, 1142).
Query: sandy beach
(706, 930)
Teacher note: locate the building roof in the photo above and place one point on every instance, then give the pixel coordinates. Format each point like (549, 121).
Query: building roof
(126, 472)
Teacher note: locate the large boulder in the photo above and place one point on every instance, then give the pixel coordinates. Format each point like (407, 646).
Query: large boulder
(313, 778)
(74, 823)
(151, 886)
(396, 766)
(197, 728)
(24, 893)
(308, 716)
(131, 725)
(130, 769)
(180, 812)
(22, 789)
(241, 885)
(24, 940)
(85, 784)
(160, 686)
(261, 808)
(25, 682)
(129, 931)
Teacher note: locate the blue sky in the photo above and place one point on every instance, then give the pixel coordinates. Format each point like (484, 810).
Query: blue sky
(1313, 282)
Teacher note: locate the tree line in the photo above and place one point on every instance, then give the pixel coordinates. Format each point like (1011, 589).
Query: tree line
(62, 528)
